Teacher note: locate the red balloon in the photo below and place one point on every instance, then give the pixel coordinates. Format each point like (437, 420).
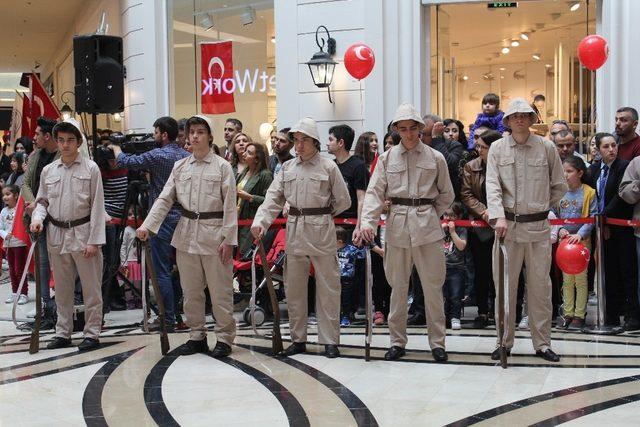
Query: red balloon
(593, 52)
(572, 258)
(359, 60)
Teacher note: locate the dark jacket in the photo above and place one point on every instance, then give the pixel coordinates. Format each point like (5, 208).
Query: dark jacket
(257, 186)
(452, 152)
(615, 207)
(273, 161)
(472, 191)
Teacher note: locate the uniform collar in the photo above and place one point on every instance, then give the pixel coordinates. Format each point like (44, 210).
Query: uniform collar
(315, 159)
(530, 141)
(77, 161)
(207, 159)
(417, 149)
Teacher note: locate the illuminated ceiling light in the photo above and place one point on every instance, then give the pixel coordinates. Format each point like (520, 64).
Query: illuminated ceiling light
(207, 21)
(505, 50)
(547, 65)
(465, 77)
(575, 6)
(273, 39)
(515, 43)
(524, 36)
(536, 56)
(502, 69)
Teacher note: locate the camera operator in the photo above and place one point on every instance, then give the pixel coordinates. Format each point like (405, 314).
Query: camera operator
(159, 162)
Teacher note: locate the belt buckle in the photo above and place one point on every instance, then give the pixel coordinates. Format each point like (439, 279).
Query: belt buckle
(516, 216)
(415, 203)
(69, 224)
(197, 216)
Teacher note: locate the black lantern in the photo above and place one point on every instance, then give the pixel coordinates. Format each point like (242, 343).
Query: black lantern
(66, 111)
(321, 65)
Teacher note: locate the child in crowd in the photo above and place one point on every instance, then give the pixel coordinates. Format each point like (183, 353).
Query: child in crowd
(347, 255)
(130, 265)
(491, 117)
(16, 249)
(579, 202)
(455, 242)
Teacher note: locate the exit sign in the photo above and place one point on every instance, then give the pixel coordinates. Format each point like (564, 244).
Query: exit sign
(502, 4)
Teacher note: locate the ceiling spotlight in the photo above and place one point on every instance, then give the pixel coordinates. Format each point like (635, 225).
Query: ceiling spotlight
(502, 69)
(505, 50)
(547, 65)
(273, 39)
(515, 43)
(574, 6)
(524, 36)
(465, 77)
(207, 21)
(248, 16)
(536, 56)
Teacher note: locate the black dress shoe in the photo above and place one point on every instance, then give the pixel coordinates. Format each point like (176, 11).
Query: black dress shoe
(221, 350)
(439, 355)
(631, 325)
(496, 354)
(193, 347)
(566, 322)
(88, 344)
(548, 355)
(58, 342)
(117, 306)
(294, 348)
(394, 353)
(331, 351)
(417, 320)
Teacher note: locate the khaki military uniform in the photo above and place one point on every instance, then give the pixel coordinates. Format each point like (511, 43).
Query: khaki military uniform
(69, 193)
(413, 233)
(315, 183)
(526, 179)
(205, 185)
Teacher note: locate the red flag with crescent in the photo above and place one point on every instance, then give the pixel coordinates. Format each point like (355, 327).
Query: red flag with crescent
(217, 83)
(41, 103)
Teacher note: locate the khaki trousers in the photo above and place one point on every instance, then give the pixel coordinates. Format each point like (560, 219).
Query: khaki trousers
(66, 267)
(429, 262)
(537, 258)
(196, 272)
(296, 276)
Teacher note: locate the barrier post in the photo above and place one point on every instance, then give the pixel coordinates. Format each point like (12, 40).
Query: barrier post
(600, 328)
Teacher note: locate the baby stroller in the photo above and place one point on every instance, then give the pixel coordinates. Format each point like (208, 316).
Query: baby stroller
(242, 275)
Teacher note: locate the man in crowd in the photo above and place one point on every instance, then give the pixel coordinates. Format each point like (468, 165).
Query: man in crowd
(232, 127)
(159, 162)
(627, 138)
(47, 152)
(415, 179)
(281, 151)
(204, 185)
(566, 144)
(558, 126)
(182, 138)
(524, 179)
(71, 197)
(316, 192)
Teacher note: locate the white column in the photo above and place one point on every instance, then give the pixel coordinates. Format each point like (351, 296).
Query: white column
(146, 59)
(616, 82)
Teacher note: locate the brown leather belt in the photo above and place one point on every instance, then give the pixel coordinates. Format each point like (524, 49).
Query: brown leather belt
(538, 216)
(309, 211)
(404, 201)
(201, 215)
(69, 224)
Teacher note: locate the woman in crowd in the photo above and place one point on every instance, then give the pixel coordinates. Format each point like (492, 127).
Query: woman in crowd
(24, 144)
(238, 147)
(367, 149)
(473, 195)
(252, 185)
(391, 139)
(17, 171)
(454, 131)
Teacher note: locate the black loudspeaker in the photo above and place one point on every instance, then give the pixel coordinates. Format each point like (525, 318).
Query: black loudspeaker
(99, 85)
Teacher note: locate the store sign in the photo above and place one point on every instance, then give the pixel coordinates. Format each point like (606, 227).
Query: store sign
(249, 81)
(216, 68)
(502, 4)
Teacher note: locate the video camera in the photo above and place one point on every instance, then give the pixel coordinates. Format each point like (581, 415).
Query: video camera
(135, 143)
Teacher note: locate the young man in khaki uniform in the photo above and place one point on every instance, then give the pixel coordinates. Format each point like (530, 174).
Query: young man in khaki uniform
(70, 198)
(524, 179)
(316, 192)
(203, 184)
(415, 179)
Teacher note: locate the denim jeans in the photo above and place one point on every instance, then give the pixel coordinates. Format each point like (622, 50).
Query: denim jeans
(163, 256)
(453, 290)
(44, 271)
(111, 257)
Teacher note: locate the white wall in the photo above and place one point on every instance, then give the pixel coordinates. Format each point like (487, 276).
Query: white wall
(617, 84)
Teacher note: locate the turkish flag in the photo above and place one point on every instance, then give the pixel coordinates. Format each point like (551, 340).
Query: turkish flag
(19, 230)
(41, 103)
(217, 78)
(26, 129)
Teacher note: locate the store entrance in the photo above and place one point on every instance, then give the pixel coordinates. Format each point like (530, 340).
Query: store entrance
(520, 51)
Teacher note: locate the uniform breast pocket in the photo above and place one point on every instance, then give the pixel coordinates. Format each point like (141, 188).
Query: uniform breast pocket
(183, 184)
(395, 175)
(211, 184)
(317, 183)
(537, 169)
(289, 185)
(427, 171)
(505, 167)
(81, 183)
(52, 184)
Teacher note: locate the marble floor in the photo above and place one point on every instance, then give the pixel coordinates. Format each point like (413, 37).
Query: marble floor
(128, 382)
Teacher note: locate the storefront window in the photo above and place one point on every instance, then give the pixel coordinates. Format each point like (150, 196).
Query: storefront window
(237, 39)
